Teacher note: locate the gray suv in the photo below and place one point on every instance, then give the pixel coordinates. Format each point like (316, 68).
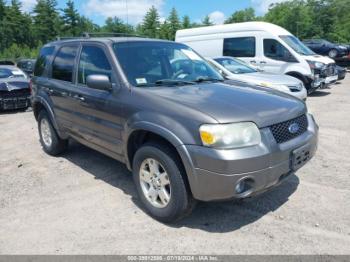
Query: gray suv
(161, 109)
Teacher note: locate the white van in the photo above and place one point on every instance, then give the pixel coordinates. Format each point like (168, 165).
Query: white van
(266, 46)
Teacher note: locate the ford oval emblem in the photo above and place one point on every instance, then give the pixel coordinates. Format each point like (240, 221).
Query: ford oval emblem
(293, 128)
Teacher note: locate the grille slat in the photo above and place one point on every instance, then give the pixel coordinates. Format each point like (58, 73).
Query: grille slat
(281, 131)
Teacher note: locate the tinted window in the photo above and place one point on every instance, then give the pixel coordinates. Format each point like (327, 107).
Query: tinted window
(43, 58)
(63, 64)
(275, 50)
(239, 47)
(93, 61)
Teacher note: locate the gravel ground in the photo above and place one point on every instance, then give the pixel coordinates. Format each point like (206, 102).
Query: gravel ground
(85, 203)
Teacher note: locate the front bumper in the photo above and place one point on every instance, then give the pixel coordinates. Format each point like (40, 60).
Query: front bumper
(13, 103)
(213, 174)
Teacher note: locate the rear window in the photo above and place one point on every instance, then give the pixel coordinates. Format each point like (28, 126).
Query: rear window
(43, 58)
(239, 47)
(62, 67)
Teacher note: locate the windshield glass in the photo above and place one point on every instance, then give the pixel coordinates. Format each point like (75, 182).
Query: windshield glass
(7, 73)
(296, 45)
(235, 66)
(148, 63)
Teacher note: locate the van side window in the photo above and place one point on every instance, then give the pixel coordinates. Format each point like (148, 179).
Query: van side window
(276, 51)
(93, 61)
(62, 68)
(239, 47)
(43, 58)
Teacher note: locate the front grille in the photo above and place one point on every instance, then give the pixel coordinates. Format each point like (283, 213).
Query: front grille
(15, 93)
(281, 131)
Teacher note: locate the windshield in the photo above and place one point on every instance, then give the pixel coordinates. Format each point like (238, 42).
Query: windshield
(7, 73)
(148, 63)
(235, 66)
(296, 45)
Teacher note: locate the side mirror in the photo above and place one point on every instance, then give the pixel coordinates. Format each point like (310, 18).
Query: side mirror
(100, 82)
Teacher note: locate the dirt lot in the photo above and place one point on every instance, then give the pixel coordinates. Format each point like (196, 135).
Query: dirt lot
(85, 203)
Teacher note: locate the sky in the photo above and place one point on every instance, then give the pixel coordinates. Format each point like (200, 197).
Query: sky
(133, 11)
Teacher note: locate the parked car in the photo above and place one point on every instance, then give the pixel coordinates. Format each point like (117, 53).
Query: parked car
(324, 47)
(235, 69)
(185, 134)
(14, 88)
(27, 65)
(267, 46)
(341, 72)
(7, 62)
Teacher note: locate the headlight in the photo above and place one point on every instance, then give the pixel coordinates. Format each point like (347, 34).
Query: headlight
(230, 135)
(315, 65)
(282, 88)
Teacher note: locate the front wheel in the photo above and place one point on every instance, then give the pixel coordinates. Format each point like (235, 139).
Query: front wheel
(160, 184)
(333, 53)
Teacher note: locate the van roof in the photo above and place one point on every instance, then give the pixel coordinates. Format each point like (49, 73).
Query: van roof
(228, 28)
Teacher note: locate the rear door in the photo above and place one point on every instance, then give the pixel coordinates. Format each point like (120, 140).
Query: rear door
(98, 111)
(60, 86)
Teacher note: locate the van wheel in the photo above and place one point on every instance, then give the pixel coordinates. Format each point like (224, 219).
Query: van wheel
(50, 141)
(160, 184)
(333, 53)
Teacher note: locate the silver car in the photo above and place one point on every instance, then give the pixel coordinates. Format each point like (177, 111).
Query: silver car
(235, 69)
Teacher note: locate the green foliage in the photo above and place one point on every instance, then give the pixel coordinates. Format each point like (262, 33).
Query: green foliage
(245, 15)
(21, 34)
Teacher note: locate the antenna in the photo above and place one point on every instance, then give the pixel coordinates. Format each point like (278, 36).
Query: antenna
(127, 13)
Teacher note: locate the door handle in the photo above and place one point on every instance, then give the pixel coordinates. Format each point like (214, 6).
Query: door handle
(253, 62)
(263, 62)
(49, 90)
(79, 98)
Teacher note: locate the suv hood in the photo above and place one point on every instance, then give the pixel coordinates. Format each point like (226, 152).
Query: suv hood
(318, 58)
(228, 104)
(260, 78)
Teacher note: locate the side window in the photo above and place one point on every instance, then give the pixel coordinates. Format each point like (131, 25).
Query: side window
(276, 51)
(93, 61)
(44, 56)
(62, 68)
(239, 47)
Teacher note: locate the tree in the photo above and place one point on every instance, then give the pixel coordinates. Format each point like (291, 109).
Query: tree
(116, 25)
(70, 19)
(164, 30)
(206, 21)
(150, 25)
(174, 24)
(46, 20)
(245, 15)
(186, 22)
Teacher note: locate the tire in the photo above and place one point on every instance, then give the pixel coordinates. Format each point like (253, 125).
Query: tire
(333, 53)
(56, 145)
(180, 202)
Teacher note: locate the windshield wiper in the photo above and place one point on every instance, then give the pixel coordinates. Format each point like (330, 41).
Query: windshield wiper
(207, 79)
(173, 82)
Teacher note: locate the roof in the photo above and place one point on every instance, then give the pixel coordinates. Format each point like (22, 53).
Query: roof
(227, 28)
(106, 40)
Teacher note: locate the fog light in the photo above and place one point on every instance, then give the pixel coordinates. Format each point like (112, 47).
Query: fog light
(239, 187)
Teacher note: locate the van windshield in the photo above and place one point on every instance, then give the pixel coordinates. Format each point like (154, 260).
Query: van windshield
(296, 45)
(152, 63)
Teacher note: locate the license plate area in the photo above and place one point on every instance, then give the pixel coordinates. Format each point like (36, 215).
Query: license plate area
(300, 157)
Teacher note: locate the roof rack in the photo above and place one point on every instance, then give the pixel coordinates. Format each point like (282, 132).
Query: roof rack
(100, 34)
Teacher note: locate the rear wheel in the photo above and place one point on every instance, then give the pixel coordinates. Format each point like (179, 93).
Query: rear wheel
(50, 141)
(158, 176)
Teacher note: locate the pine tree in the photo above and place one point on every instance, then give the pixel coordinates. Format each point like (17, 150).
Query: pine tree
(116, 25)
(186, 23)
(174, 24)
(164, 31)
(46, 20)
(206, 21)
(71, 19)
(150, 25)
